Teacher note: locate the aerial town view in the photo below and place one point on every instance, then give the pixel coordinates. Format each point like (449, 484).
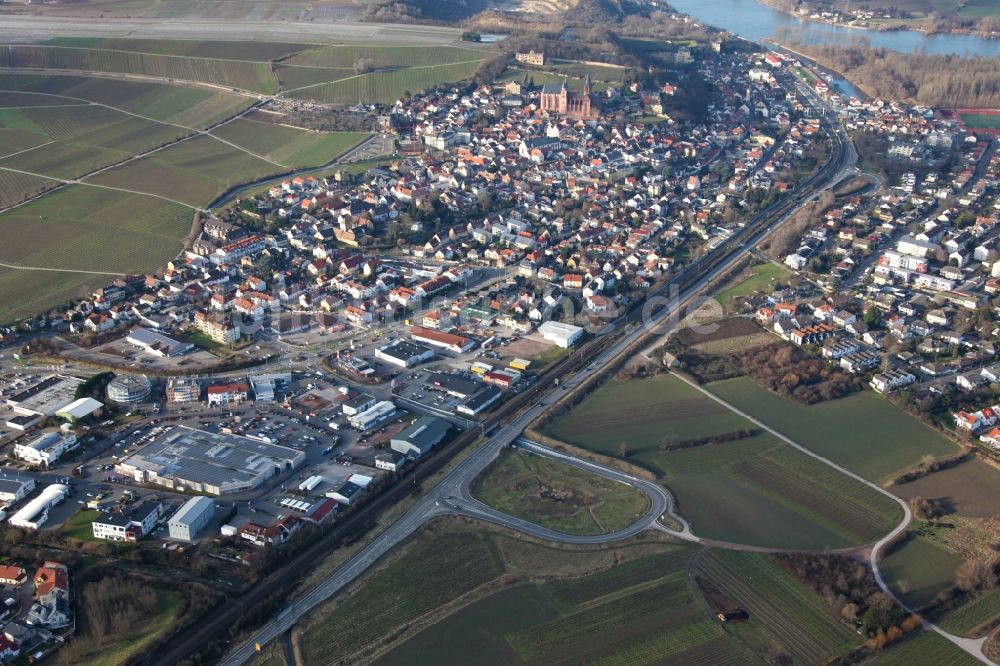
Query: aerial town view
(539, 332)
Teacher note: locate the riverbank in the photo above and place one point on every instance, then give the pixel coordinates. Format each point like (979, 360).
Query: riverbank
(757, 21)
(857, 89)
(922, 26)
(938, 81)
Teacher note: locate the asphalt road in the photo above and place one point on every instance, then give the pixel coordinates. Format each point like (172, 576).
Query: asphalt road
(20, 28)
(661, 502)
(435, 502)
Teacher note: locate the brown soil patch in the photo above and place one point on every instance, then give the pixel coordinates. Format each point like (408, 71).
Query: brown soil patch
(971, 488)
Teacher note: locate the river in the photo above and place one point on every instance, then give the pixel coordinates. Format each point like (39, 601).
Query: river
(756, 22)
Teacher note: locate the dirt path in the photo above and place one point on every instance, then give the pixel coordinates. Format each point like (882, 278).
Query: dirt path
(973, 647)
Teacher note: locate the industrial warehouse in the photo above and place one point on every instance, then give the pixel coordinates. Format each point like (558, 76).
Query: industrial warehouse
(184, 458)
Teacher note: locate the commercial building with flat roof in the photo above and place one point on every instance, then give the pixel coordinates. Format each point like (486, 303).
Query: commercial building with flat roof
(479, 401)
(185, 458)
(560, 334)
(405, 354)
(456, 385)
(374, 416)
(46, 397)
(46, 449)
(449, 341)
(157, 344)
(130, 524)
(265, 387)
(191, 518)
(425, 433)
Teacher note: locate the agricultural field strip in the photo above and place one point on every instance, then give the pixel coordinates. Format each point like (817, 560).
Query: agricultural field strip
(41, 145)
(44, 106)
(543, 639)
(103, 187)
(194, 133)
(970, 647)
(802, 449)
(680, 639)
(974, 614)
(375, 71)
(467, 564)
(225, 85)
(580, 592)
(80, 181)
(778, 601)
(793, 480)
(150, 53)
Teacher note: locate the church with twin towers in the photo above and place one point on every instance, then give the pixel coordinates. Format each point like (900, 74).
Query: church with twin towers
(557, 98)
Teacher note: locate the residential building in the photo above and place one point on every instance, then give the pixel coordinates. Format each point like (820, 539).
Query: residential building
(227, 394)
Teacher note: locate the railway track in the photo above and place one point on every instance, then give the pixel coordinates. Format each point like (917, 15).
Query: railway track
(215, 627)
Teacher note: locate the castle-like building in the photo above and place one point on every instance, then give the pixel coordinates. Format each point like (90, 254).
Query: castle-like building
(556, 98)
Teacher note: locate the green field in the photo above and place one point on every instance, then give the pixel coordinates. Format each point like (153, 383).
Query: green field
(971, 616)
(433, 573)
(78, 140)
(226, 50)
(641, 414)
(79, 526)
(291, 77)
(479, 629)
(981, 120)
(378, 57)
(783, 612)
(980, 9)
(17, 187)
(763, 278)
(862, 432)
(186, 106)
(195, 171)
(14, 100)
(26, 293)
(925, 648)
(240, 74)
(69, 229)
(288, 145)
(918, 570)
(755, 490)
(89, 124)
(641, 610)
(385, 86)
(558, 496)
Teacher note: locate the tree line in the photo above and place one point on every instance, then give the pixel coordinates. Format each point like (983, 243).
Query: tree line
(939, 80)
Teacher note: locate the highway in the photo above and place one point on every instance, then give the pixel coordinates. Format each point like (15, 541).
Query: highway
(450, 494)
